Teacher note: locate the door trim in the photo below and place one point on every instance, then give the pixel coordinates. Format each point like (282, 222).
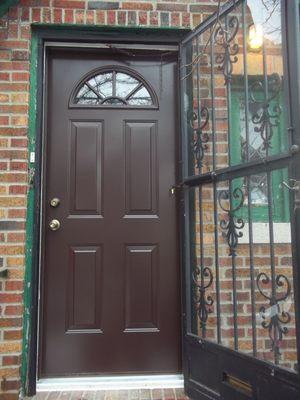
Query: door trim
(108, 45)
(64, 37)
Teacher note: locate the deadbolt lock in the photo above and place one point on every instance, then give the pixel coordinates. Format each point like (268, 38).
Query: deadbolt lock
(54, 225)
(54, 202)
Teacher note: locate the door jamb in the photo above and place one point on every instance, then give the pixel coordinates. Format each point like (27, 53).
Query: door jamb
(40, 34)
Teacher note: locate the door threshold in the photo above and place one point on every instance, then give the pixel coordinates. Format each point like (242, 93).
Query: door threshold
(125, 382)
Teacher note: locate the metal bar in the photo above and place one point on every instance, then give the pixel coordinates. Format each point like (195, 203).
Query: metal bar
(213, 128)
(198, 97)
(225, 9)
(228, 93)
(238, 171)
(270, 203)
(213, 114)
(216, 222)
(291, 46)
(251, 265)
(252, 274)
(200, 210)
(184, 128)
(272, 256)
(203, 325)
(187, 251)
(266, 95)
(233, 255)
(234, 294)
(246, 86)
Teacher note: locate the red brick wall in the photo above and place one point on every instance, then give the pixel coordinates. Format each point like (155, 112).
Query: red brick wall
(15, 33)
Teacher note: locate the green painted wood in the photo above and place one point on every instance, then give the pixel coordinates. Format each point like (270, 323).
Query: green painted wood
(30, 217)
(5, 4)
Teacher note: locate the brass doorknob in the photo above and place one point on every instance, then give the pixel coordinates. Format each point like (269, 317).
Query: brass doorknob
(54, 225)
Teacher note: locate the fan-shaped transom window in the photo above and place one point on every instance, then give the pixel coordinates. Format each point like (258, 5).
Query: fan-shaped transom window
(115, 88)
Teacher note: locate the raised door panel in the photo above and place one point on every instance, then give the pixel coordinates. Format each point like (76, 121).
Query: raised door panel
(84, 289)
(86, 168)
(141, 183)
(141, 288)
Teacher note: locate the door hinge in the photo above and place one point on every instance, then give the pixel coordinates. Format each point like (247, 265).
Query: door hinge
(293, 186)
(175, 188)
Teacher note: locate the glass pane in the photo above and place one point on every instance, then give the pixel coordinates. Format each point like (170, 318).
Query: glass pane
(85, 91)
(125, 84)
(113, 88)
(113, 100)
(103, 84)
(242, 282)
(141, 97)
(85, 100)
(86, 96)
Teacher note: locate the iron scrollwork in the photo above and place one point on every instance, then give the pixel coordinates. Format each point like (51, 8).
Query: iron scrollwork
(231, 226)
(266, 117)
(277, 317)
(200, 138)
(224, 37)
(203, 279)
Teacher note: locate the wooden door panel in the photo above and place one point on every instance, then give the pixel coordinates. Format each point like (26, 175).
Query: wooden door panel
(111, 272)
(141, 169)
(86, 165)
(84, 302)
(141, 288)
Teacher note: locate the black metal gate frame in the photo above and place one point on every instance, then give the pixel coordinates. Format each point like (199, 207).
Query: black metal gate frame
(289, 159)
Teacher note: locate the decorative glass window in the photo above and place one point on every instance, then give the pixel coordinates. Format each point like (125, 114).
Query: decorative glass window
(257, 151)
(114, 87)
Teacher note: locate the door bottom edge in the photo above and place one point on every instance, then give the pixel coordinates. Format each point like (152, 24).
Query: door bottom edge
(125, 382)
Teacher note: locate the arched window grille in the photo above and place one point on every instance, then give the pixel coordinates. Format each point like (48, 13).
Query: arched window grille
(114, 87)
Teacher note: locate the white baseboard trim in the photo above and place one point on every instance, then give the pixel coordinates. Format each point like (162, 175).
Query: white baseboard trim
(125, 382)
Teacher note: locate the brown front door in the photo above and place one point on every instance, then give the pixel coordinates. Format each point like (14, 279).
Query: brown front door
(110, 276)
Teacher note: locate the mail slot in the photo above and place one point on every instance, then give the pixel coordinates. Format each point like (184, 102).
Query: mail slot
(238, 384)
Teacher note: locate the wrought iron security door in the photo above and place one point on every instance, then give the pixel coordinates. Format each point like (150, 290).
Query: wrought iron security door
(241, 195)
